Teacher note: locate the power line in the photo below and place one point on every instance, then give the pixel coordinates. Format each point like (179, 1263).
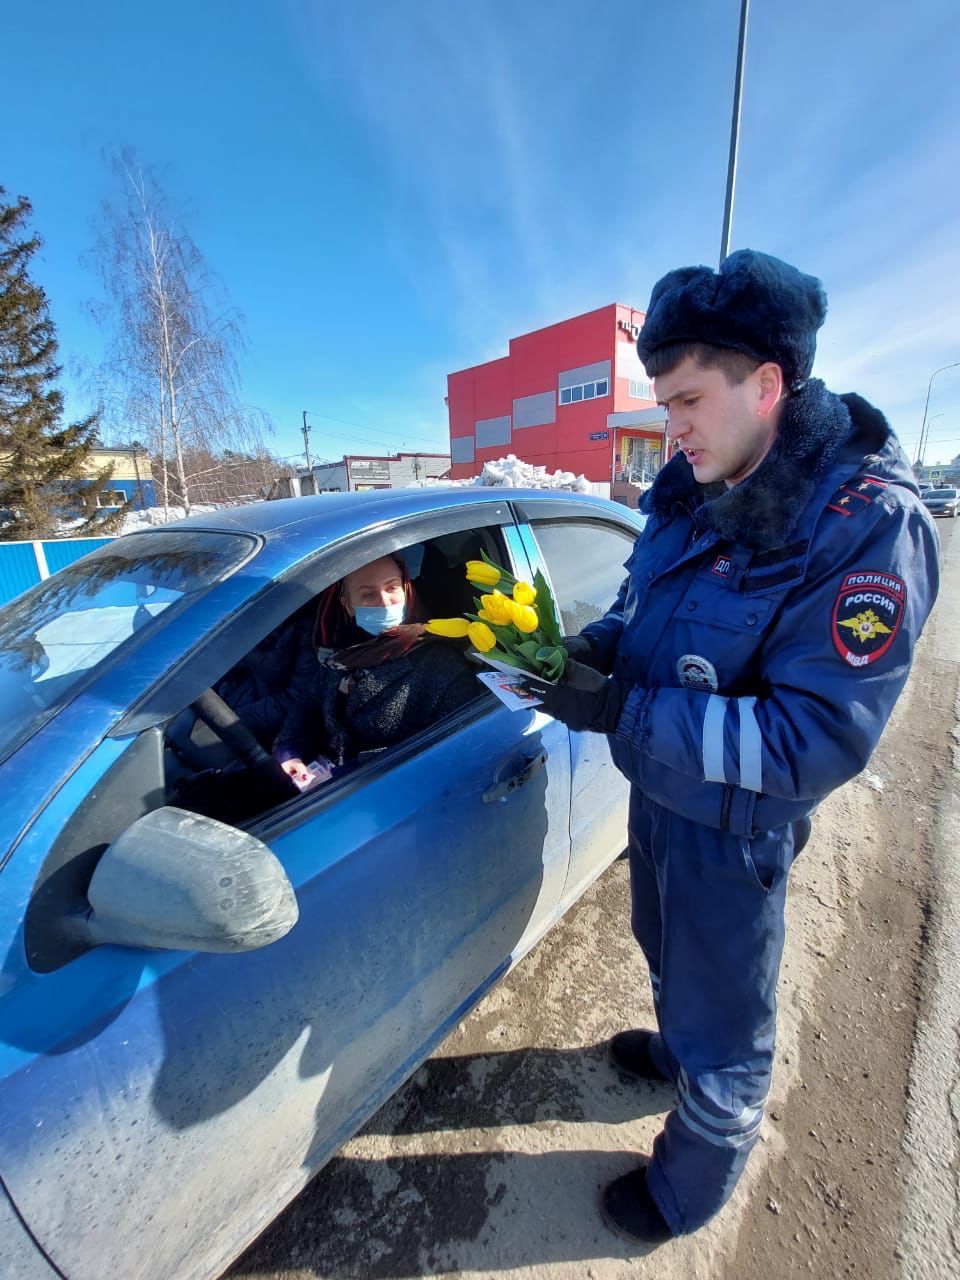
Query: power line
(365, 426)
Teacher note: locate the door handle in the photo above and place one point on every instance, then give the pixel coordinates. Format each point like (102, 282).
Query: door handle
(505, 789)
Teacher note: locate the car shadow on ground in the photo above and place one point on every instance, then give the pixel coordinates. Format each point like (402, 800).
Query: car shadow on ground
(490, 1192)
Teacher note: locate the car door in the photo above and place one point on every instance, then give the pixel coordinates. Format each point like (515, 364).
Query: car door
(160, 1107)
(581, 550)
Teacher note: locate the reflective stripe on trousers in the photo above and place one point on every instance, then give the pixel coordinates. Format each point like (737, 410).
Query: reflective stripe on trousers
(708, 913)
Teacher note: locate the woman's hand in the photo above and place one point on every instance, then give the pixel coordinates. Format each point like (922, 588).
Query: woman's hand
(297, 771)
(305, 776)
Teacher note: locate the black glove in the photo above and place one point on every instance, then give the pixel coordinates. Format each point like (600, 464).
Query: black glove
(582, 649)
(585, 699)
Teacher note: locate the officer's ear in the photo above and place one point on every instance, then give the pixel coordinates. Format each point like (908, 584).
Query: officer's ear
(769, 386)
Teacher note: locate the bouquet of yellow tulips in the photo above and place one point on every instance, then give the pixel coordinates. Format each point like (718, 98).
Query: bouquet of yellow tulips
(516, 626)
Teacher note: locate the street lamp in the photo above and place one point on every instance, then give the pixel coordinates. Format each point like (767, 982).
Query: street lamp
(922, 444)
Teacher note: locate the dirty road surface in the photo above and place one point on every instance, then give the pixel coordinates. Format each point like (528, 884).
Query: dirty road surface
(489, 1162)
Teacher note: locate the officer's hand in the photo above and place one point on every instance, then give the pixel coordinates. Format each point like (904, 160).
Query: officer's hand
(584, 700)
(579, 647)
(582, 649)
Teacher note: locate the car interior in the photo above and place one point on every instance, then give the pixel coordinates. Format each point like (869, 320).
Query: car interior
(213, 763)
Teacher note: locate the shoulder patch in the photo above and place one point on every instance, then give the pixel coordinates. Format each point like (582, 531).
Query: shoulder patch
(856, 494)
(867, 615)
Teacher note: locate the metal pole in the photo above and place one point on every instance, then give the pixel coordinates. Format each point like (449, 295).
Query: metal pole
(922, 443)
(734, 133)
(306, 443)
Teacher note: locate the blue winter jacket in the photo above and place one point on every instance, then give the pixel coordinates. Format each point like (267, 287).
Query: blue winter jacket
(767, 630)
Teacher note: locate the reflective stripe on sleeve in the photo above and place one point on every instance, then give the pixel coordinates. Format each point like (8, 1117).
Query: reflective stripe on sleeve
(713, 719)
(751, 745)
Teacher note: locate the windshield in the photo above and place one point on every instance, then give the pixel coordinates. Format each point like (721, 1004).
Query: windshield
(56, 636)
(941, 493)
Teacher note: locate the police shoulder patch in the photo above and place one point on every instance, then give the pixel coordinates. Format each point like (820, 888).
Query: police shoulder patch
(856, 495)
(867, 615)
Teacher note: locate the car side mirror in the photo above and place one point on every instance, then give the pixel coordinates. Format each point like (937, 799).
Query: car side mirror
(183, 882)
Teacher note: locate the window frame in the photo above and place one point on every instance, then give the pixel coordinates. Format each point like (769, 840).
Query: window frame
(637, 382)
(582, 388)
(552, 514)
(229, 642)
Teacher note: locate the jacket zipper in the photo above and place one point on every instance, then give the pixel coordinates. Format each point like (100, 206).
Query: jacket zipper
(725, 808)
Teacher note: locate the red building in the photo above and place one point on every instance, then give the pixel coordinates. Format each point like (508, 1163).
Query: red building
(573, 396)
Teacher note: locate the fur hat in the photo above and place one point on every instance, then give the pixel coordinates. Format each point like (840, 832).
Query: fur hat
(755, 303)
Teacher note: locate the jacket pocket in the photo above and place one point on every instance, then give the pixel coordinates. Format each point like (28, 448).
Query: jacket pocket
(704, 605)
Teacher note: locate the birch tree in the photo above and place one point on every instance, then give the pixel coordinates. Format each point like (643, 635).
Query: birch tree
(171, 372)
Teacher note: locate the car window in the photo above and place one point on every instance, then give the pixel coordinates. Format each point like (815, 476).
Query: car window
(271, 692)
(64, 629)
(585, 562)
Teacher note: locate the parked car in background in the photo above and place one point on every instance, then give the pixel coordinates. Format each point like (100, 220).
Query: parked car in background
(941, 502)
(210, 981)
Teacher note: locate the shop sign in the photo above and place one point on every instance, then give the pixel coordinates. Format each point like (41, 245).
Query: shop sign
(369, 470)
(629, 327)
(599, 435)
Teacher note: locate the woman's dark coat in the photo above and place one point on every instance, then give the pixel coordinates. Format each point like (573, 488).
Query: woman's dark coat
(343, 715)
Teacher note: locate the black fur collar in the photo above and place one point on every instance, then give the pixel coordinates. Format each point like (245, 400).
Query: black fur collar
(762, 511)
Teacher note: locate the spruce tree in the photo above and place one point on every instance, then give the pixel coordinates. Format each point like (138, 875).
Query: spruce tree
(44, 470)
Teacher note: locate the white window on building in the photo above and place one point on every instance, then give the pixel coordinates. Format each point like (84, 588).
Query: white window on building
(640, 389)
(585, 391)
(111, 498)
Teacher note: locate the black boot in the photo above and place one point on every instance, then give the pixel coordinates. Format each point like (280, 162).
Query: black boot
(630, 1210)
(630, 1052)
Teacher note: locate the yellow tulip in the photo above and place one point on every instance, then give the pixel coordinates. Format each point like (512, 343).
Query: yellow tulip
(497, 608)
(523, 593)
(452, 628)
(523, 616)
(481, 637)
(482, 574)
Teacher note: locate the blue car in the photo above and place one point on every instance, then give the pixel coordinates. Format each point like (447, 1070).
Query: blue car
(197, 1012)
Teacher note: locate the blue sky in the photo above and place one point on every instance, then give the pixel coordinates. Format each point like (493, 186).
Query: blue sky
(390, 189)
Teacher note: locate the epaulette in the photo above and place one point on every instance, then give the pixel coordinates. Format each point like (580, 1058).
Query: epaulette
(856, 494)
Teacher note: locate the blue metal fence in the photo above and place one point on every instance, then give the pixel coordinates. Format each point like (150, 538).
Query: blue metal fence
(24, 564)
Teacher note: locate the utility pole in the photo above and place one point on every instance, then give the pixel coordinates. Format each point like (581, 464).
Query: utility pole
(734, 133)
(306, 442)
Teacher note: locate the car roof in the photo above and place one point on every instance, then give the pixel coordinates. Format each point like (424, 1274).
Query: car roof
(282, 514)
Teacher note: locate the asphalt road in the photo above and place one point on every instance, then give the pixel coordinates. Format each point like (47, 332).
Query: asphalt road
(931, 1232)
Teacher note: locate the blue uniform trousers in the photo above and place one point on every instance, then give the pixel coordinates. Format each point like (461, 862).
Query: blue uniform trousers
(708, 914)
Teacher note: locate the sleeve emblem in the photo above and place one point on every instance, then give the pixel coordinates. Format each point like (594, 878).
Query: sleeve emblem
(867, 615)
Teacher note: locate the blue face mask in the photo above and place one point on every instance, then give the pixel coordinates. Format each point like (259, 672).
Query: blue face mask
(381, 619)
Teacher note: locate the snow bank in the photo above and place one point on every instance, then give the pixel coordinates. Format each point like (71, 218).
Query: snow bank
(511, 473)
(134, 521)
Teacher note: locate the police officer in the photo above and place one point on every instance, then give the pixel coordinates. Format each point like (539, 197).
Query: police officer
(746, 669)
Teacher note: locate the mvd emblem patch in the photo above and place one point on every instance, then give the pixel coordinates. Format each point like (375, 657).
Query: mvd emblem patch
(867, 615)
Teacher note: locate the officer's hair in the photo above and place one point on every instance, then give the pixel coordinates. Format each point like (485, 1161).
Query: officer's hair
(735, 365)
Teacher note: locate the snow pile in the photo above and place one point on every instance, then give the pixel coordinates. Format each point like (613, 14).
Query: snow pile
(511, 473)
(134, 521)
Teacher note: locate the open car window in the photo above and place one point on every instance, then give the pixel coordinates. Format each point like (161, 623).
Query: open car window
(201, 774)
